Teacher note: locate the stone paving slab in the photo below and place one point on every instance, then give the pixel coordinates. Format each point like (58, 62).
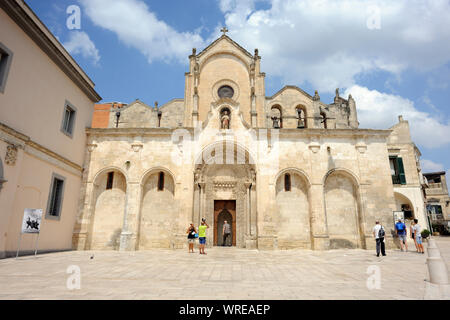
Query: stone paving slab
(225, 273)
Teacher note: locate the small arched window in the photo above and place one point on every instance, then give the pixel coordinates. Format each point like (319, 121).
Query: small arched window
(301, 116)
(323, 120)
(287, 182)
(161, 181)
(110, 181)
(277, 117)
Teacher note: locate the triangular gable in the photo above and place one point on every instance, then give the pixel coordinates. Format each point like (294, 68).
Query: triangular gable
(290, 87)
(225, 37)
(135, 104)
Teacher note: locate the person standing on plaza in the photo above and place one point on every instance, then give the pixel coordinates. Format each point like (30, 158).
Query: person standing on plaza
(226, 231)
(400, 227)
(418, 236)
(413, 235)
(191, 232)
(379, 233)
(202, 236)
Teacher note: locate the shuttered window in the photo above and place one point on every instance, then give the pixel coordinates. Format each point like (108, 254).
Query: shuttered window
(397, 170)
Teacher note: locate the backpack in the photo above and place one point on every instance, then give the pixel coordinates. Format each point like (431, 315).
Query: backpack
(381, 232)
(400, 227)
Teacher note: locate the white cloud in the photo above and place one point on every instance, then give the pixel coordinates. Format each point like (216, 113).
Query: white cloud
(138, 27)
(80, 43)
(377, 110)
(430, 166)
(328, 43)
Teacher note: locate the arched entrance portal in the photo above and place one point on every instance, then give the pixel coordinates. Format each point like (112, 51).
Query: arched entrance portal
(225, 183)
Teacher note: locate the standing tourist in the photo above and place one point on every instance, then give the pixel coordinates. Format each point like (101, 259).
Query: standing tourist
(191, 232)
(418, 236)
(400, 227)
(379, 233)
(413, 236)
(226, 231)
(202, 236)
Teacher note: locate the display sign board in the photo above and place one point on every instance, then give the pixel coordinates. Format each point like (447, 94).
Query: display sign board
(31, 222)
(399, 215)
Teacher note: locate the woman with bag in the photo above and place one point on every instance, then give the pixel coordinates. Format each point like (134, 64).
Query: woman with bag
(191, 232)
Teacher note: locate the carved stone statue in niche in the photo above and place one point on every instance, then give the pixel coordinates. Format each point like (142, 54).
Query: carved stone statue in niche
(225, 119)
(11, 155)
(197, 174)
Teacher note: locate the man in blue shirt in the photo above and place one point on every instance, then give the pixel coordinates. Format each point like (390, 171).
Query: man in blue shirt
(400, 227)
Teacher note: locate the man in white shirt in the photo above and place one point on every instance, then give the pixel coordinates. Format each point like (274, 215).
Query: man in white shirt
(378, 238)
(418, 236)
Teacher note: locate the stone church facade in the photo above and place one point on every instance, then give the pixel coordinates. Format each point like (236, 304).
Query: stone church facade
(288, 171)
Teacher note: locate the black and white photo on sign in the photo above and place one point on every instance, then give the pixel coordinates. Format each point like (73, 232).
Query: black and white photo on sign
(32, 221)
(399, 215)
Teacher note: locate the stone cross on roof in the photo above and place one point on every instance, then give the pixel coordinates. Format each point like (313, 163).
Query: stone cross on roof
(224, 30)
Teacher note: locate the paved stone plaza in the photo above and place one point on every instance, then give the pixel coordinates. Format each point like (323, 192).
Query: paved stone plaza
(225, 273)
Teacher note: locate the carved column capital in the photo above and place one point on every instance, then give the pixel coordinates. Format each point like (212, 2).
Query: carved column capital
(91, 147)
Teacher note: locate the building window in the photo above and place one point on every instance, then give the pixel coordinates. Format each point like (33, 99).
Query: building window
(68, 119)
(277, 117)
(407, 211)
(109, 181)
(287, 182)
(161, 181)
(55, 197)
(225, 92)
(323, 120)
(397, 170)
(436, 211)
(301, 113)
(5, 64)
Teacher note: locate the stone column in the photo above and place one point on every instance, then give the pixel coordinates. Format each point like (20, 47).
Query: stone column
(197, 205)
(201, 203)
(253, 217)
(319, 230)
(250, 241)
(195, 110)
(129, 233)
(248, 212)
(80, 236)
(253, 112)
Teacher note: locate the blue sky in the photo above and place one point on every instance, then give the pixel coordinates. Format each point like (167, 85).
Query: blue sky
(392, 56)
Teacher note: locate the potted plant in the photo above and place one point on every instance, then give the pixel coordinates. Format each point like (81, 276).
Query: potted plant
(425, 233)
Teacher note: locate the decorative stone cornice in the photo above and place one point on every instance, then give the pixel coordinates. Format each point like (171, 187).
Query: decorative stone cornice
(91, 147)
(224, 184)
(137, 147)
(361, 147)
(24, 142)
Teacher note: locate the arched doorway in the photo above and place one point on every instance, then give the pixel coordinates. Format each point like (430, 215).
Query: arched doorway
(158, 210)
(225, 180)
(110, 189)
(404, 204)
(343, 210)
(293, 211)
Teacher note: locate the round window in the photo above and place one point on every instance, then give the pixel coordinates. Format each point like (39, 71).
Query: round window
(226, 92)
